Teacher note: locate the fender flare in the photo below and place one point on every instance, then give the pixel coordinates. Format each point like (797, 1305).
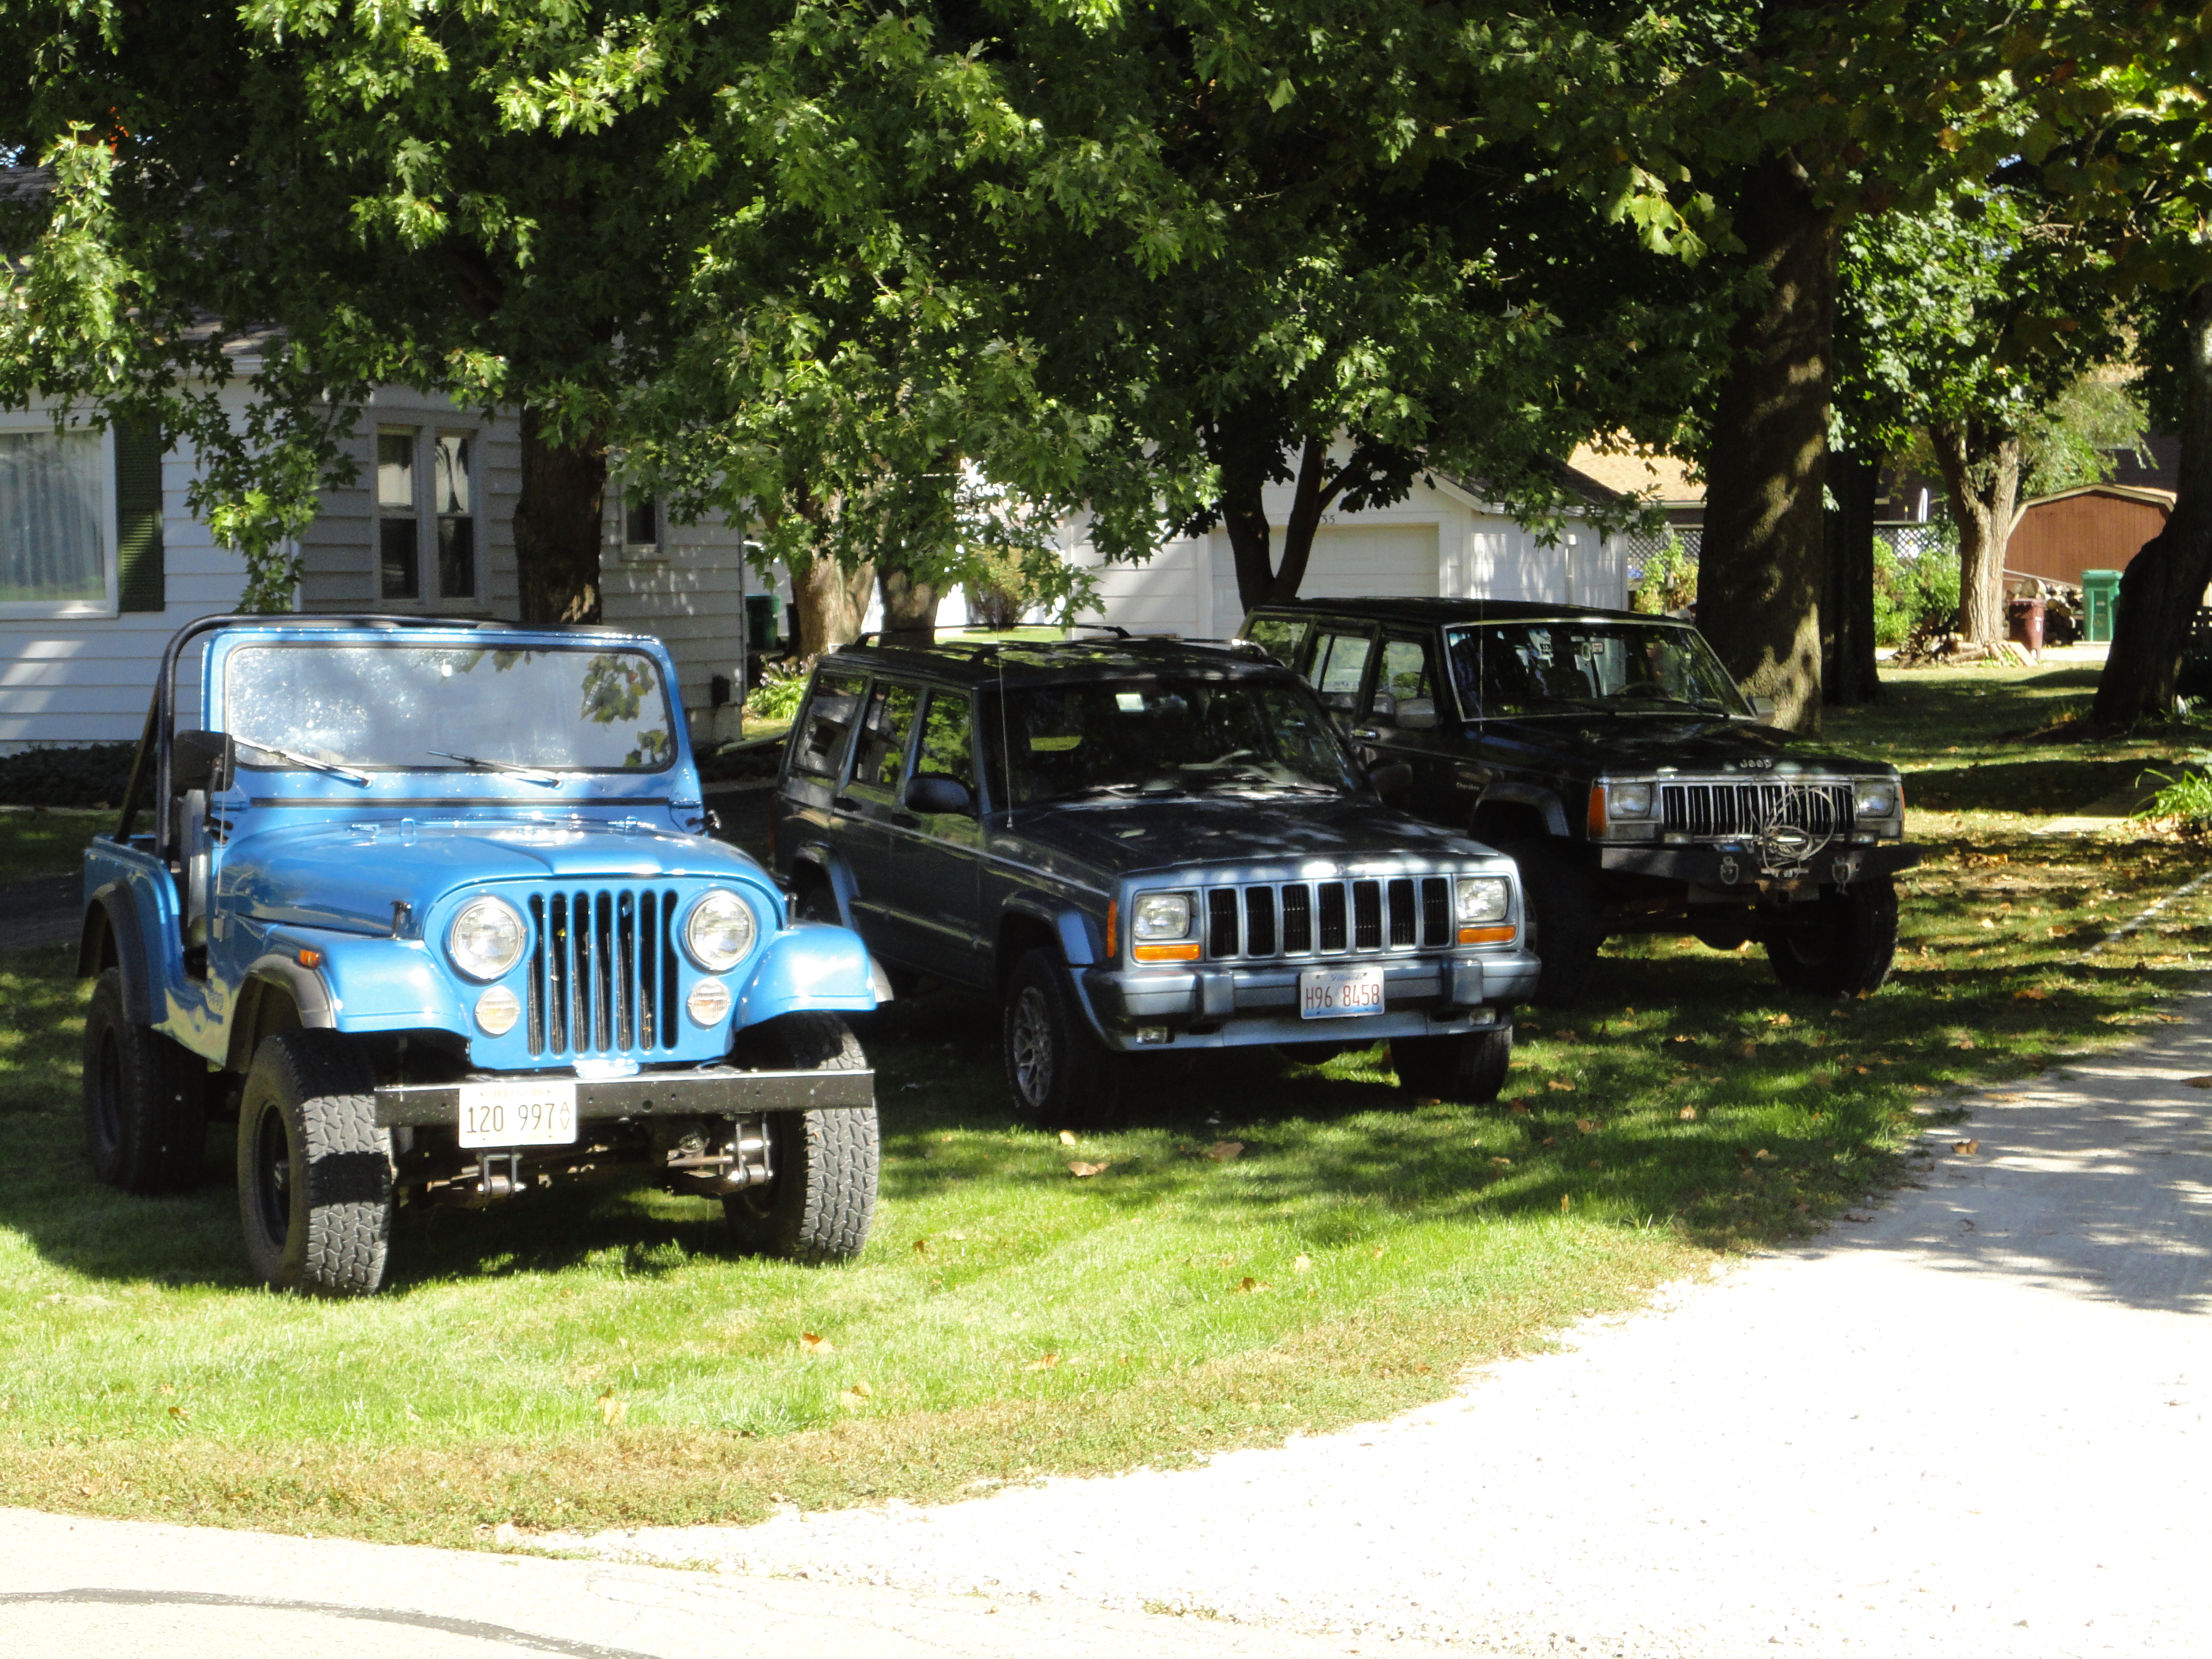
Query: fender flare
(1525, 794)
(310, 997)
(113, 914)
(822, 858)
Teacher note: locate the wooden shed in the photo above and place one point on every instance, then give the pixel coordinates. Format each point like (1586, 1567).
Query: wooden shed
(2096, 527)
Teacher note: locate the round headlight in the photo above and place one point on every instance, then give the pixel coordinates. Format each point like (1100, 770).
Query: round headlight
(497, 1010)
(485, 939)
(1874, 801)
(720, 930)
(1483, 898)
(1162, 915)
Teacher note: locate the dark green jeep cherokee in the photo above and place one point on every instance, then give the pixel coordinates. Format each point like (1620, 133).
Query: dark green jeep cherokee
(1613, 757)
(1140, 847)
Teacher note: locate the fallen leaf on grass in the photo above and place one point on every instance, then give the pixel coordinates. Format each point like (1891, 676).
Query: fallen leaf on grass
(1501, 1163)
(179, 1413)
(611, 1409)
(1745, 1050)
(1565, 1201)
(853, 1398)
(1379, 1249)
(1247, 1285)
(1588, 1126)
(1302, 1263)
(2030, 994)
(1221, 1151)
(1779, 1019)
(1522, 1107)
(505, 1535)
(1965, 1148)
(921, 1246)
(1082, 1171)
(1067, 1137)
(1561, 1085)
(809, 1342)
(1763, 1153)
(1688, 1114)
(1043, 1363)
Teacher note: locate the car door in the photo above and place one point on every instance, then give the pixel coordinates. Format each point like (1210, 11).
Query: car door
(1338, 669)
(867, 810)
(936, 861)
(821, 740)
(1409, 709)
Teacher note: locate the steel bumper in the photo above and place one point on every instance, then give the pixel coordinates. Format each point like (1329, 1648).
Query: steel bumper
(708, 1091)
(1727, 864)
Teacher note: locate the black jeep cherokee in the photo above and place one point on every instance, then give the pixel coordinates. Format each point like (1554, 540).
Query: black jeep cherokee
(1613, 757)
(1142, 847)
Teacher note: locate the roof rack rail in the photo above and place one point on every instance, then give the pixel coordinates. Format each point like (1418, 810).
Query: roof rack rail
(876, 634)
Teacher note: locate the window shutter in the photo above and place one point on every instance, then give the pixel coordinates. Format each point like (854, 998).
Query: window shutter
(142, 584)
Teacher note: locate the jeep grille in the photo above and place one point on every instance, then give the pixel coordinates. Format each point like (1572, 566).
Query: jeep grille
(1726, 812)
(1306, 918)
(602, 973)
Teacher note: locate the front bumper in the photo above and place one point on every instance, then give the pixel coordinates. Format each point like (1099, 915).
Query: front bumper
(1234, 1006)
(703, 1092)
(1735, 864)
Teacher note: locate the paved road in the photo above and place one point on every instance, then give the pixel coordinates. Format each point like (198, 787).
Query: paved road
(1974, 1425)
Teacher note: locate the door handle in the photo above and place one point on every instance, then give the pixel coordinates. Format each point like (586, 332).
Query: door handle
(1368, 732)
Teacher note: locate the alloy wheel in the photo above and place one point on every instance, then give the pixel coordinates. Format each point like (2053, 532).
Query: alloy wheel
(1032, 1047)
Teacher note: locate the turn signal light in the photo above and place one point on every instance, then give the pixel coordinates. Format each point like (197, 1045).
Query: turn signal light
(1188, 950)
(1597, 819)
(1485, 935)
(309, 958)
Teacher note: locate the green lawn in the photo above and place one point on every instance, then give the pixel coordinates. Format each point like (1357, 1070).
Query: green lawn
(597, 1357)
(42, 843)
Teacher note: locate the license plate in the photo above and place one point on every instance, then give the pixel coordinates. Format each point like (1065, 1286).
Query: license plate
(1339, 993)
(518, 1114)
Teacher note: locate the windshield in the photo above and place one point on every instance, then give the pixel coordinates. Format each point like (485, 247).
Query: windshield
(433, 709)
(1156, 737)
(1621, 667)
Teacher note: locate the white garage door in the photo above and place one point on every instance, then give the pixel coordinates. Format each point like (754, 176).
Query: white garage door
(1397, 560)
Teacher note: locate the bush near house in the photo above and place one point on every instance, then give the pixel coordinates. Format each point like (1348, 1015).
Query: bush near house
(82, 775)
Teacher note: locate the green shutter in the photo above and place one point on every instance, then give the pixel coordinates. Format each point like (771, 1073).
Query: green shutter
(142, 582)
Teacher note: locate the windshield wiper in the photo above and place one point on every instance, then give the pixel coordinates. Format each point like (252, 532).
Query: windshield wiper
(308, 761)
(527, 774)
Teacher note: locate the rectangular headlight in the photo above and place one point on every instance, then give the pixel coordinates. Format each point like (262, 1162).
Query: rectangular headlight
(1483, 898)
(1874, 801)
(1628, 800)
(1161, 915)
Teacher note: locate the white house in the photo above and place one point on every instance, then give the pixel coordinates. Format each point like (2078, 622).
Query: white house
(1442, 541)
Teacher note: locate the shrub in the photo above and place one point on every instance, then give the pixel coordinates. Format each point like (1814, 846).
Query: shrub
(1669, 581)
(2184, 803)
(81, 775)
(781, 689)
(1912, 593)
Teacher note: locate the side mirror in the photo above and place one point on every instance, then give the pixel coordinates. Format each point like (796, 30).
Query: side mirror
(1391, 781)
(201, 759)
(1416, 714)
(932, 793)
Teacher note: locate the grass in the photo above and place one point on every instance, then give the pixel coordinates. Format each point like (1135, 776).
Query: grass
(593, 1359)
(46, 843)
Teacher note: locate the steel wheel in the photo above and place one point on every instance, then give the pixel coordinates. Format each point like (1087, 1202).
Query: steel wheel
(271, 1178)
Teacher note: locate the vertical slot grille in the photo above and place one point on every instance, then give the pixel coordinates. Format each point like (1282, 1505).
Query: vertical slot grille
(1331, 915)
(1260, 921)
(1436, 911)
(1405, 925)
(1221, 921)
(1298, 920)
(1366, 915)
(602, 972)
(1719, 810)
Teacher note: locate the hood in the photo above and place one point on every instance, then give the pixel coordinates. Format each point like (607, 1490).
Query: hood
(1693, 746)
(349, 876)
(1118, 838)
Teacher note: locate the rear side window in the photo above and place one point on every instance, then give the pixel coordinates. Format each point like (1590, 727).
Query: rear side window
(946, 750)
(826, 728)
(1339, 665)
(883, 737)
(1280, 637)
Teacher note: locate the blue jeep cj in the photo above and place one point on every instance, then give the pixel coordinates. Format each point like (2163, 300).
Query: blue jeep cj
(431, 908)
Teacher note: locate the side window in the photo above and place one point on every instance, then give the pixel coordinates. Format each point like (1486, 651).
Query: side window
(1340, 664)
(1405, 670)
(826, 728)
(1281, 637)
(883, 737)
(947, 748)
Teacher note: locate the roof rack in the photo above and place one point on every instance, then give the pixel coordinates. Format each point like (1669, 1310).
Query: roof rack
(876, 634)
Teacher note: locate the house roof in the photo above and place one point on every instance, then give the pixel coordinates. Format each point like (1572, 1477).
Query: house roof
(1660, 477)
(2162, 499)
(1572, 478)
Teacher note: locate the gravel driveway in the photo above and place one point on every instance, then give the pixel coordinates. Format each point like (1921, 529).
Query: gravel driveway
(1973, 1426)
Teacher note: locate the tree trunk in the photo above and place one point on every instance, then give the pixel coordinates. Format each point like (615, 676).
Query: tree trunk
(1759, 572)
(1848, 673)
(2162, 588)
(1246, 453)
(1981, 475)
(556, 525)
(909, 609)
(829, 602)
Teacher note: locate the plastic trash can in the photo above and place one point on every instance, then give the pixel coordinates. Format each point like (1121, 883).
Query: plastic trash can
(2100, 603)
(2024, 624)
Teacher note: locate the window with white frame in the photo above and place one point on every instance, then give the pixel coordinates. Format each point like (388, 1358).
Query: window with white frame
(56, 523)
(426, 529)
(640, 524)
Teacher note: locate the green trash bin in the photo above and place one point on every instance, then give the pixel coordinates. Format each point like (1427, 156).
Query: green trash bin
(2100, 602)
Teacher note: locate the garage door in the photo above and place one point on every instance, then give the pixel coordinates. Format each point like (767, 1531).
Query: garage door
(1396, 560)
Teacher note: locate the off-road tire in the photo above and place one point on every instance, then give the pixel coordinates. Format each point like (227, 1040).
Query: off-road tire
(145, 1099)
(314, 1172)
(1058, 1071)
(822, 1197)
(1467, 1067)
(1560, 924)
(1849, 945)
